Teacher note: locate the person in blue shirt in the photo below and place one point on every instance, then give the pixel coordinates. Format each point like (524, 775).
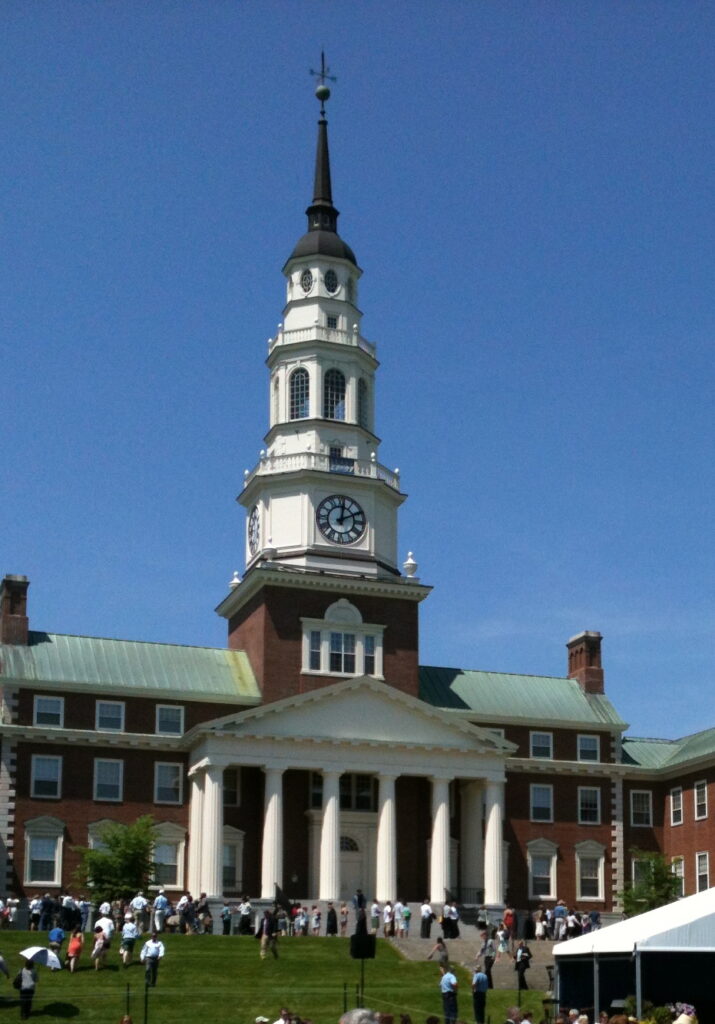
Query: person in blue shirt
(480, 986)
(448, 987)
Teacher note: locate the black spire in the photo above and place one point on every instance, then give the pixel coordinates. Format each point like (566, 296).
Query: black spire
(322, 237)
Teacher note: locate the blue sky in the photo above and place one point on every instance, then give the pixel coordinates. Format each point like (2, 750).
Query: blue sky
(528, 189)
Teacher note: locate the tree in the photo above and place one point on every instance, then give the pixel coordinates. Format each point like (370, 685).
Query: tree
(122, 863)
(654, 884)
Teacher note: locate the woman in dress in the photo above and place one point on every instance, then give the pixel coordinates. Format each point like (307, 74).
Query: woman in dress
(343, 919)
(74, 948)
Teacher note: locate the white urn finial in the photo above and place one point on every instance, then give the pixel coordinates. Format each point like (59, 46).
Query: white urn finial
(410, 566)
(235, 581)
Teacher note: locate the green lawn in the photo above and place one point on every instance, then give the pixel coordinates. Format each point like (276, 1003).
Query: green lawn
(208, 978)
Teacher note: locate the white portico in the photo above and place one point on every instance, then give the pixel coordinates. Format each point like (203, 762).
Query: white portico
(365, 729)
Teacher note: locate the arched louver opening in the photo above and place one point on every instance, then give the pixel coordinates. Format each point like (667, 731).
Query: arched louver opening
(334, 395)
(299, 394)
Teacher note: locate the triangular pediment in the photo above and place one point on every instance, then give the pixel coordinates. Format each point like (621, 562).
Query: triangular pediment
(359, 710)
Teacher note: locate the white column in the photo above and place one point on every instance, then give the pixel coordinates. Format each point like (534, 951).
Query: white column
(212, 853)
(329, 888)
(494, 846)
(272, 856)
(439, 852)
(386, 868)
(471, 842)
(196, 831)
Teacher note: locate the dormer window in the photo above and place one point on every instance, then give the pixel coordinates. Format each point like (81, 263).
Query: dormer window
(342, 644)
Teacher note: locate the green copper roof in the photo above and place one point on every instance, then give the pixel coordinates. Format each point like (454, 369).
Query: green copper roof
(648, 753)
(128, 667)
(498, 696)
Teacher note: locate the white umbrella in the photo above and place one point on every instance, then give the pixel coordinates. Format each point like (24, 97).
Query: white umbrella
(40, 955)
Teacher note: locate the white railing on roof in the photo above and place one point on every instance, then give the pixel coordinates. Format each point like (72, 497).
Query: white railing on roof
(319, 333)
(323, 464)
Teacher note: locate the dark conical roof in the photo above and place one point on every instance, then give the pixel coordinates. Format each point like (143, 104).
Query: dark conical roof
(322, 238)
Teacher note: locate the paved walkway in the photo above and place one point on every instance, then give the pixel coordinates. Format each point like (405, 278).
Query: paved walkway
(463, 951)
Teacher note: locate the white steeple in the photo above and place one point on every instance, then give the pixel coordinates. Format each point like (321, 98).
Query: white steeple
(319, 498)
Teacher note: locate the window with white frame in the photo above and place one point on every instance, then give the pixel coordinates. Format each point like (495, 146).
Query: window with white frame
(109, 715)
(342, 644)
(641, 870)
(170, 719)
(231, 787)
(95, 831)
(589, 748)
(108, 779)
(590, 862)
(678, 868)
(541, 855)
(358, 792)
(49, 711)
(334, 390)
(541, 803)
(46, 776)
(589, 805)
(541, 744)
(299, 394)
(702, 871)
(676, 806)
(700, 798)
(43, 851)
(232, 859)
(641, 808)
(168, 778)
(169, 855)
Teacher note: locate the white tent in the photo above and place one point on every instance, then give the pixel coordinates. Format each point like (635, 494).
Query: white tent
(686, 926)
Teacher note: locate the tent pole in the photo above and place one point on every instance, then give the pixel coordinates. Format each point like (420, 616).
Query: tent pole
(639, 987)
(596, 1000)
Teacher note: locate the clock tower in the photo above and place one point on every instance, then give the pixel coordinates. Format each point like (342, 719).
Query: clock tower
(321, 510)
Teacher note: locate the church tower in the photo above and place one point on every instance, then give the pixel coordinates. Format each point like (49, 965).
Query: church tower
(321, 510)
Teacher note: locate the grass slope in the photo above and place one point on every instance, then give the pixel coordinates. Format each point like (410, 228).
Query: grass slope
(212, 979)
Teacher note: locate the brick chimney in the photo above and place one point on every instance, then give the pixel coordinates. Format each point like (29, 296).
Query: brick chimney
(585, 661)
(13, 610)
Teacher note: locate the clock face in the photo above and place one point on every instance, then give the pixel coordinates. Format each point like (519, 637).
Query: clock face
(306, 281)
(254, 531)
(331, 281)
(340, 519)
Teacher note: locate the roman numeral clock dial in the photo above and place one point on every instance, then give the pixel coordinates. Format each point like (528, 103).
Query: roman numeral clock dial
(340, 519)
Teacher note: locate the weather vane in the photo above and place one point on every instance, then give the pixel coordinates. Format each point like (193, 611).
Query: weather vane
(322, 90)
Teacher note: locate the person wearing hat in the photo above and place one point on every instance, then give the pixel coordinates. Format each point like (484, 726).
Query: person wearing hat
(161, 909)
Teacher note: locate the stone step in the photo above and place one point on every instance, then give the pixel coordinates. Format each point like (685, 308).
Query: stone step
(463, 952)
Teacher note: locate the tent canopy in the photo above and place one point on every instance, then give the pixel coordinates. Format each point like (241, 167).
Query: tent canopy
(686, 925)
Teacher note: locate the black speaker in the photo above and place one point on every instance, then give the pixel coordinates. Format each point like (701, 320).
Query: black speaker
(362, 947)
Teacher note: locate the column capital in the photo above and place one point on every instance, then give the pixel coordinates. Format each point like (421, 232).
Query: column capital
(330, 772)
(276, 769)
(388, 776)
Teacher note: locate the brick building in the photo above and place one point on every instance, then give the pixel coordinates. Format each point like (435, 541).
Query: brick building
(315, 752)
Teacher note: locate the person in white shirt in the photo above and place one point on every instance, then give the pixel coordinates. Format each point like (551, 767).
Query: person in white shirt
(139, 908)
(35, 911)
(426, 919)
(107, 925)
(397, 912)
(151, 954)
(388, 920)
(374, 917)
(105, 909)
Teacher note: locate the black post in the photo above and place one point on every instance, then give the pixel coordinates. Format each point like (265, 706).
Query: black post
(146, 1002)
(357, 995)
(362, 983)
(129, 988)
(345, 997)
